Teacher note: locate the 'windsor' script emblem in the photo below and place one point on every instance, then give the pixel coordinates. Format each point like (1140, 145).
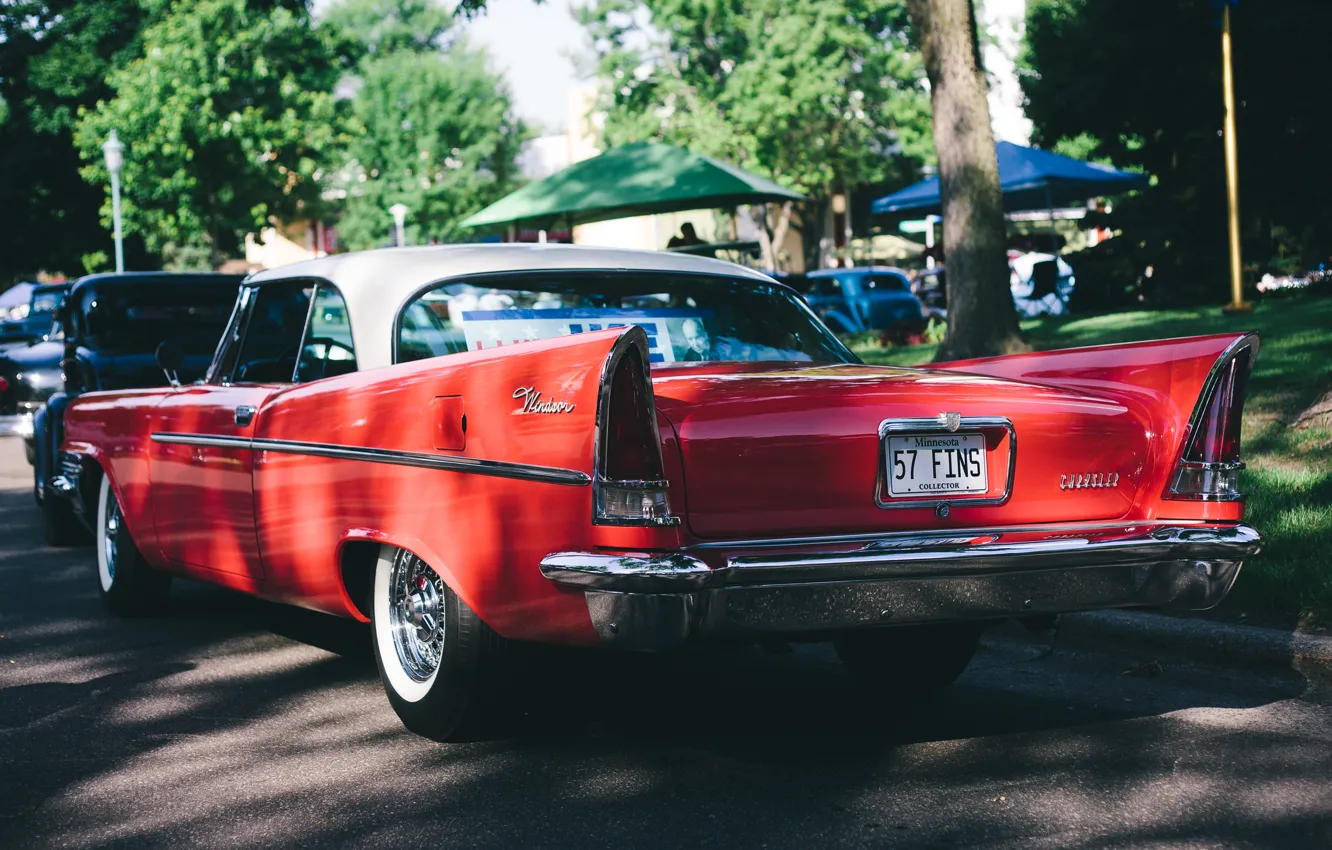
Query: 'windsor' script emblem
(533, 403)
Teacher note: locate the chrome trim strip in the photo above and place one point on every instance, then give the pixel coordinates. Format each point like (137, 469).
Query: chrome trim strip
(475, 466)
(978, 531)
(217, 442)
(902, 427)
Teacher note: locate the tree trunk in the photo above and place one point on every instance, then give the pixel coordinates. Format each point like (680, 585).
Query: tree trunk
(772, 234)
(779, 231)
(981, 318)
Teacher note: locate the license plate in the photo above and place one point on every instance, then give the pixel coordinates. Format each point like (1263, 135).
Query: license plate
(936, 465)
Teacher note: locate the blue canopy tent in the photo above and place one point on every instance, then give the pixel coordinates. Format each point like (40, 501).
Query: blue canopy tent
(1030, 179)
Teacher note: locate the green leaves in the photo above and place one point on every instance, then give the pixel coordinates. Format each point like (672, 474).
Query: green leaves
(431, 128)
(227, 114)
(1138, 82)
(816, 95)
(363, 28)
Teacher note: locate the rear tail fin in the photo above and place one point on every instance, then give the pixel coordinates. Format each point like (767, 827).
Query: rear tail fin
(629, 482)
(1189, 394)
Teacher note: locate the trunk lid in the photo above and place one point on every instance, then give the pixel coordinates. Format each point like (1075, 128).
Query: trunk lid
(779, 449)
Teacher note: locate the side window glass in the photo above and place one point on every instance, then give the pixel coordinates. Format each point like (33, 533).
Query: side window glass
(328, 348)
(430, 326)
(829, 286)
(272, 339)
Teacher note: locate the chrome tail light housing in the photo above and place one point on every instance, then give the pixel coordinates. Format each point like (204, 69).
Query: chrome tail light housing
(629, 480)
(1209, 465)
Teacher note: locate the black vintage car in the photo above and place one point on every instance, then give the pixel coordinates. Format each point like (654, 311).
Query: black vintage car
(107, 333)
(42, 304)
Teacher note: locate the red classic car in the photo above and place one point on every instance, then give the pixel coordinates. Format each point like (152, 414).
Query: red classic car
(471, 445)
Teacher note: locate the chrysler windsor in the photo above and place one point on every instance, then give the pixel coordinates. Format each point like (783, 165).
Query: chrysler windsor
(471, 445)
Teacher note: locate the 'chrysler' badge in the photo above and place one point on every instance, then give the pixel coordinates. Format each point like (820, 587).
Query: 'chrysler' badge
(533, 403)
(951, 421)
(1082, 481)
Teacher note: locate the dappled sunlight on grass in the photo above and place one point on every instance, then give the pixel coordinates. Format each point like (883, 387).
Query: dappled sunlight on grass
(1290, 476)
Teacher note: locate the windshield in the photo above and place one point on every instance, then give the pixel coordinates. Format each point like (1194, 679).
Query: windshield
(135, 318)
(45, 302)
(686, 317)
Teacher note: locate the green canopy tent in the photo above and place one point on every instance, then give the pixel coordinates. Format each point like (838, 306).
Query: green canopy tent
(643, 178)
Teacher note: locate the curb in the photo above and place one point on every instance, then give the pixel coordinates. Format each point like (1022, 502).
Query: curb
(1225, 644)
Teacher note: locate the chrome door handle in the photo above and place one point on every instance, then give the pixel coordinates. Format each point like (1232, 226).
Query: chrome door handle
(244, 414)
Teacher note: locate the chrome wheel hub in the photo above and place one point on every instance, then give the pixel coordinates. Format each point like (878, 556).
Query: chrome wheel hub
(113, 521)
(416, 612)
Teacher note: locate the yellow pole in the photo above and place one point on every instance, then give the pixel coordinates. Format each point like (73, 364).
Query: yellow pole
(1232, 169)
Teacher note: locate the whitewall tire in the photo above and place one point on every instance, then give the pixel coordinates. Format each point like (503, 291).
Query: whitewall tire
(438, 661)
(126, 583)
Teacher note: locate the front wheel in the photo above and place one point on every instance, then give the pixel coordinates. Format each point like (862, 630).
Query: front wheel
(128, 585)
(438, 660)
(908, 661)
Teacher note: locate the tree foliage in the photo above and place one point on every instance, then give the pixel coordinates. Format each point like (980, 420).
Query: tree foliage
(433, 127)
(227, 114)
(819, 95)
(54, 58)
(436, 133)
(379, 27)
(1139, 83)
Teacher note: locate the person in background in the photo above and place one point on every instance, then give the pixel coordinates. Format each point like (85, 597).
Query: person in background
(686, 238)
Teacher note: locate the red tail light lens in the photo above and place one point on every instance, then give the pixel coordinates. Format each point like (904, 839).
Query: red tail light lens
(632, 452)
(630, 484)
(1217, 440)
(4, 383)
(1210, 466)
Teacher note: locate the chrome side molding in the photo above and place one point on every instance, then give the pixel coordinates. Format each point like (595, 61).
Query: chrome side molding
(474, 466)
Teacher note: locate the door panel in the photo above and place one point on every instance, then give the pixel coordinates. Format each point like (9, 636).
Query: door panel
(203, 496)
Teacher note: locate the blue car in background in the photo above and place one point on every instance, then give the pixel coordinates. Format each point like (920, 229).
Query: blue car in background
(868, 298)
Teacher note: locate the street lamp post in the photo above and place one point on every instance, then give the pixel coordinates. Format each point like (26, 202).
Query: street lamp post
(399, 219)
(114, 151)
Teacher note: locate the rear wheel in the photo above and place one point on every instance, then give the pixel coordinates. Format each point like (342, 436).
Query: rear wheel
(128, 585)
(907, 661)
(438, 660)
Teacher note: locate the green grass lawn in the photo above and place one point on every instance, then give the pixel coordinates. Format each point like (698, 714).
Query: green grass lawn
(1289, 475)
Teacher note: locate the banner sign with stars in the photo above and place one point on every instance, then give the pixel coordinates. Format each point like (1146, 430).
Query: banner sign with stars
(674, 333)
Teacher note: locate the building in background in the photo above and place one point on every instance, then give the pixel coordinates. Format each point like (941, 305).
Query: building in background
(283, 244)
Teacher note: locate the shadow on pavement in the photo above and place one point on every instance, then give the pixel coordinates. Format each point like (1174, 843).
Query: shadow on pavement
(233, 721)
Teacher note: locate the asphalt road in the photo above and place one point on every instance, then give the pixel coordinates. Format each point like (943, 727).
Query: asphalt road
(232, 722)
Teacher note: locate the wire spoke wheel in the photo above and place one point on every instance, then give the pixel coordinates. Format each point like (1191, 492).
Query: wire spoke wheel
(416, 614)
(109, 540)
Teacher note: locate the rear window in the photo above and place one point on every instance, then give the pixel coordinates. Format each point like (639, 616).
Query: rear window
(136, 318)
(687, 317)
(887, 283)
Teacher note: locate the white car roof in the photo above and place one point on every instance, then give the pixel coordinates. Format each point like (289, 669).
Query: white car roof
(378, 284)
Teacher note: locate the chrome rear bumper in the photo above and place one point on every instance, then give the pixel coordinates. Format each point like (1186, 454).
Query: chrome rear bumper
(656, 601)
